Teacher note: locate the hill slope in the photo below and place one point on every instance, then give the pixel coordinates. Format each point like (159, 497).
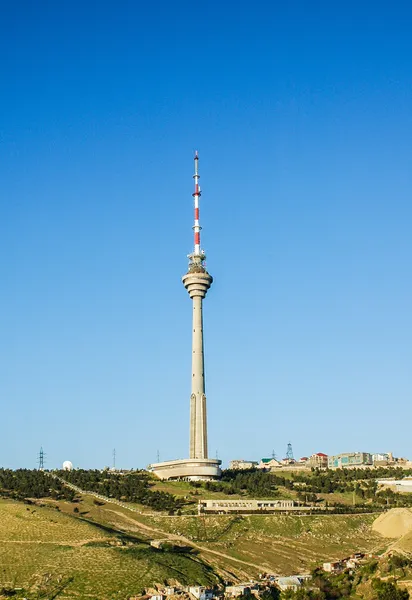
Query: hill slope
(41, 548)
(279, 543)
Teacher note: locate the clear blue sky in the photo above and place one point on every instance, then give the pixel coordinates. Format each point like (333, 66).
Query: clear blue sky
(302, 115)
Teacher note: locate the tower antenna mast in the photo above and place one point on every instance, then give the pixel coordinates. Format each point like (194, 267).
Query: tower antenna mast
(197, 258)
(196, 195)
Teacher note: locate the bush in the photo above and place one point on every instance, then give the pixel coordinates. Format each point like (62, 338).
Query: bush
(386, 590)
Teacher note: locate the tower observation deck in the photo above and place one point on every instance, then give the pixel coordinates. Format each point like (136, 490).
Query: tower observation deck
(197, 281)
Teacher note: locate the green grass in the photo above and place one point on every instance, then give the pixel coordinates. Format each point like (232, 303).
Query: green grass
(280, 543)
(188, 491)
(41, 546)
(103, 552)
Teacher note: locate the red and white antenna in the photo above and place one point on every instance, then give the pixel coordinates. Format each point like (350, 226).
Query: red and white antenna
(196, 195)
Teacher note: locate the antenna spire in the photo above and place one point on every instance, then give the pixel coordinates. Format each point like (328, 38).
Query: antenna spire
(196, 195)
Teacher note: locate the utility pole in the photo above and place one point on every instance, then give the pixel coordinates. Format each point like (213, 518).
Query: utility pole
(40, 459)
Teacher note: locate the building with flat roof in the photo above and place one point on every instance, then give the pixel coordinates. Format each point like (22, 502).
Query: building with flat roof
(397, 485)
(350, 459)
(289, 583)
(318, 460)
(246, 505)
(382, 458)
(239, 465)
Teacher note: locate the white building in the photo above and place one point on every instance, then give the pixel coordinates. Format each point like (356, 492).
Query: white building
(382, 457)
(269, 464)
(332, 567)
(241, 589)
(200, 592)
(398, 485)
(243, 464)
(246, 505)
(289, 583)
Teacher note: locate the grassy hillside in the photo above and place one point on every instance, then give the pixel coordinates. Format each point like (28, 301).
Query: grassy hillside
(43, 549)
(279, 543)
(95, 549)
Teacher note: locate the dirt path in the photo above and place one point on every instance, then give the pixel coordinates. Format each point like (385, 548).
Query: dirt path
(71, 544)
(181, 538)
(164, 534)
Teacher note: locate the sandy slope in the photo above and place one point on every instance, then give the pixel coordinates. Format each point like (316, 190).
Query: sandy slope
(395, 523)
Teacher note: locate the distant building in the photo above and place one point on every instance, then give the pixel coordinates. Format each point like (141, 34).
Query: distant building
(349, 459)
(243, 464)
(171, 590)
(246, 505)
(398, 485)
(269, 463)
(288, 461)
(382, 458)
(234, 591)
(332, 567)
(403, 463)
(289, 583)
(201, 593)
(318, 460)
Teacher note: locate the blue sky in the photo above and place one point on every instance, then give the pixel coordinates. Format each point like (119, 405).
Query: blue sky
(302, 115)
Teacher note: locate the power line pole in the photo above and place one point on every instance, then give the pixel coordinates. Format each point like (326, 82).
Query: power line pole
(40, 459)
(289, 452)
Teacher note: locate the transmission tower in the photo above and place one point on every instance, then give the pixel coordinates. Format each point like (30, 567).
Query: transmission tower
(289, 452)
(114, 459)
(40, 459)
(273, 455)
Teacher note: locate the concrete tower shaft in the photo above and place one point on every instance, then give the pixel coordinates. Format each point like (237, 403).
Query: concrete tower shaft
(197, 281)
(197, 285)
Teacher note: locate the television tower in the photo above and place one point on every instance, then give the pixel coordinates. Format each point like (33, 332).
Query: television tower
(197, 281)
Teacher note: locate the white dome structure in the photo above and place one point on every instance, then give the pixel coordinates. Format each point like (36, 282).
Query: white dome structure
(67, 466)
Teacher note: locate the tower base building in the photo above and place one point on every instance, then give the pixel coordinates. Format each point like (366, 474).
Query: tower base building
(197, 282)
(188, 469)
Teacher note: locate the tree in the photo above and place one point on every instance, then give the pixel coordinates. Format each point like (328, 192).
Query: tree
(272, 593)
(387, 590)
